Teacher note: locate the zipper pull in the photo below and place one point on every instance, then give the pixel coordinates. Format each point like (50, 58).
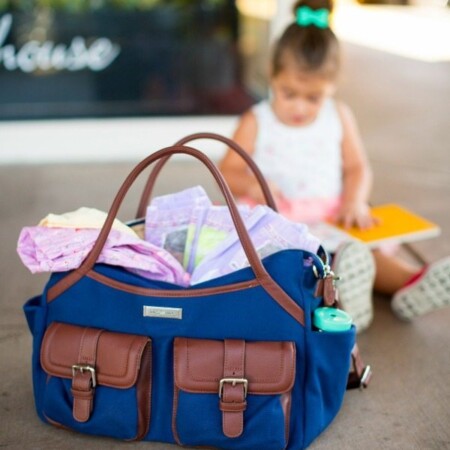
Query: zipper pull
(330, 293)
(326, 286)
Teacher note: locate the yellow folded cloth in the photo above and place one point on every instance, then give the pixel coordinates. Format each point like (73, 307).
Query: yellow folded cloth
(83, 218)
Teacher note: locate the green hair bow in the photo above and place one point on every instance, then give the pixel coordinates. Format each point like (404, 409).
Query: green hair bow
(317, 17)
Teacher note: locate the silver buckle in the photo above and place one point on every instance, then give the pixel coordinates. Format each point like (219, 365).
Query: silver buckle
(233, 382)
(365, 377)
(82, 368)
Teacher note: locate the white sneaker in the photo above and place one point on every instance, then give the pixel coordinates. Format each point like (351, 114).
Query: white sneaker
(429, 292)
(354, 264)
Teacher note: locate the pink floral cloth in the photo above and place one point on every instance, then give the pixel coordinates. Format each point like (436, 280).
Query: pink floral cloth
(44, 249)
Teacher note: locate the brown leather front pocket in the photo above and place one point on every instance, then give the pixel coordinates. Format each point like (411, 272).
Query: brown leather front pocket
(99, 382)
(239, 391)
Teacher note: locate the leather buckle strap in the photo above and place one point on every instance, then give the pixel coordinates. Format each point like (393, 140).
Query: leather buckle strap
(82, 368)
(233, 381)
(84, 377)
(233, 388)
(361, 375)
(356, 381)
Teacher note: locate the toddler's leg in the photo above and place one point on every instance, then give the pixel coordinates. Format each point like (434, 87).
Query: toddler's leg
(392, 273)
(354, 264)
(428, 291)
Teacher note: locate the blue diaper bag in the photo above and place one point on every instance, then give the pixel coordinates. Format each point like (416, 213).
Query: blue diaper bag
(233, 363)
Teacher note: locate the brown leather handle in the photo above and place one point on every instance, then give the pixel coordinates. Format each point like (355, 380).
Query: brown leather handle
(264, 279)
(146, 194)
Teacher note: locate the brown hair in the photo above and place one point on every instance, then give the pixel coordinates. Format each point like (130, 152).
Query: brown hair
(309, 48)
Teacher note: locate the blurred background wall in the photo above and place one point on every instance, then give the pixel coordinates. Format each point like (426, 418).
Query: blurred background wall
(96, 80)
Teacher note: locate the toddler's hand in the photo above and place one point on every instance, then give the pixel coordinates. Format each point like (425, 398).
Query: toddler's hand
(256, 193)
(356, 214)
(276, 191)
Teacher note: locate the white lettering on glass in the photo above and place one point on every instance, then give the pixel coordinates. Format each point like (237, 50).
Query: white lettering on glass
(47, 55)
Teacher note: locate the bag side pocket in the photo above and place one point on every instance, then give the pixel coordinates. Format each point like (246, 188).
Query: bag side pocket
(98, 382)
(328, 361)
(33, 313)
(248, 411)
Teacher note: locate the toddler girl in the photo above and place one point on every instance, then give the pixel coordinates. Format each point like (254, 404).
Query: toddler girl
(309, 149)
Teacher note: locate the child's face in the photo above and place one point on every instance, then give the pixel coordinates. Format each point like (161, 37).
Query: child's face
(298, 97)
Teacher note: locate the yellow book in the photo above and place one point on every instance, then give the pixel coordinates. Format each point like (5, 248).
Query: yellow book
(397, 225)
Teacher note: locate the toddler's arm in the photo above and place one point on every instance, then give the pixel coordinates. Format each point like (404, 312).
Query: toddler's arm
(241, 181)
(357, 175)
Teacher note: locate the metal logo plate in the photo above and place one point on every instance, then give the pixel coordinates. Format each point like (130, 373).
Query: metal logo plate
(163, 313)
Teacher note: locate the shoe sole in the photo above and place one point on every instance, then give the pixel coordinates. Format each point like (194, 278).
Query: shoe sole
(430, 292)
(355, 266)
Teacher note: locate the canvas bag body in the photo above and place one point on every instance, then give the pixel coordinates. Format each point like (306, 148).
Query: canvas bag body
(232, 307)
(322, 359)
